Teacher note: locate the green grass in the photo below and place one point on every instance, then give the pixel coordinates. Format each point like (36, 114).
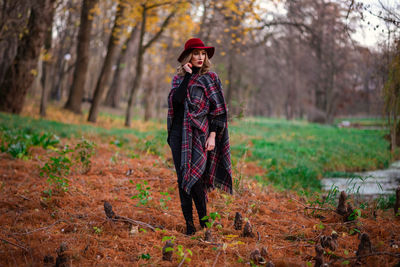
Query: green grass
(295, 154)
(378, 121)
(146, 141)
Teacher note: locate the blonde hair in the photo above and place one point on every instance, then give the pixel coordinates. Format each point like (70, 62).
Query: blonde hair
(204, 69)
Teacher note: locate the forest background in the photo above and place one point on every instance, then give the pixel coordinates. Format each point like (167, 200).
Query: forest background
(292, 59)
(86, 83)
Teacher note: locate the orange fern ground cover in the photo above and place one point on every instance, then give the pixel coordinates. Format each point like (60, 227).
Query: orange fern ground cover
(33, 226)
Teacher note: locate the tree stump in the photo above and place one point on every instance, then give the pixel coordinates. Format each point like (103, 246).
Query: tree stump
(108, 210)
(208, 236)
(248, 230)
(167, 253)
(62, 258)
(341, 209)
(238, 221)
(319, 258)
(345, 210)
(329, 241)
(365, 247)
(256, 257)
(264, 252)
(48, 261)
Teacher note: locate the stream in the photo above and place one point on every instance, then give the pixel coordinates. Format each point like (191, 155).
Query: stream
(371, 184)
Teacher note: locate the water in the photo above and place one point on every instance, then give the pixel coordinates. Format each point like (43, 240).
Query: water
(371, 184)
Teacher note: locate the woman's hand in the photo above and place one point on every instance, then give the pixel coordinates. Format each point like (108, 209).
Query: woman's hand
(210, 142)
(187, 67)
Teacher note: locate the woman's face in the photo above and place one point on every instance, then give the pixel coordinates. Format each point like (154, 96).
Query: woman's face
(198, 57)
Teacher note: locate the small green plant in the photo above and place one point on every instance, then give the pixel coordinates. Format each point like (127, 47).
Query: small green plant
(143, 193)
(17, 142)
(213, 216)
(18, 150)
(84, 151)
(183, 254)
(45, 140)
(115, 158)
(353, 231)
(238, 173)
(145, 256)
(385, 202)
(57, 169)
(320, 202)
(165, 238)
(355, 215)
(164, 200)
(97, 230)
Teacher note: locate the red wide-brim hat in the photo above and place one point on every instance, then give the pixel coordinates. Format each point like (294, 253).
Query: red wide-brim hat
(196, 43)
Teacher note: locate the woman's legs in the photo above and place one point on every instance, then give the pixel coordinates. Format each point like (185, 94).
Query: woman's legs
(186, 200)
(197, 191)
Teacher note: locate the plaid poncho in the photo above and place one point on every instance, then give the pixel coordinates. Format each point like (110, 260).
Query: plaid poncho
(203, 103)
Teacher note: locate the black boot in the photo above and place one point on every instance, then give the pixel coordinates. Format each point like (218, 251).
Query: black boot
(187, 210)
(190, 229)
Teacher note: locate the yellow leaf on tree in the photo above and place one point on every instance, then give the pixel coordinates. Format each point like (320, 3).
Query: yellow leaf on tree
(34, 72)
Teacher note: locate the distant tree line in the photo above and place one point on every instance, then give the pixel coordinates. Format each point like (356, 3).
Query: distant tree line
(298, 60)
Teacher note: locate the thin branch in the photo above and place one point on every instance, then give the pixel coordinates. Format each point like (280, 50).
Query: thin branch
(210, 243)
(310, 208)
(110, 214)
(182, 261)
(42, 228)
(11, 243)
(216, 258)
(128, 220)
(163, 26)
(349, 9)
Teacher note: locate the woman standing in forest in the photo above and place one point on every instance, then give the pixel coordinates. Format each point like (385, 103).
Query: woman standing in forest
(197, 131)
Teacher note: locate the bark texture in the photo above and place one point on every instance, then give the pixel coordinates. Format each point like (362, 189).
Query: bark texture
(21, 73)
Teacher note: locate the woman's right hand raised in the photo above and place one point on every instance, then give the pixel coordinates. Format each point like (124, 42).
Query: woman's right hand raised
(187, 67)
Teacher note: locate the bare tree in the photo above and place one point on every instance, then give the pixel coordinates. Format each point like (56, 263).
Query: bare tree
(142, 47)
(46, 66)
(106, 69)
(74, 102)
(121, 78)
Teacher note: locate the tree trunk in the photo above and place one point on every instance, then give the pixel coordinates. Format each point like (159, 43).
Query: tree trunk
(106, 69)
(136, 81)
(13, 19)
(46, 67)
(65, 42)
(21, 73)
(139, 63)
(229, 94)
(74, 102)
(121, 73)
(394, 128)
(149, 105)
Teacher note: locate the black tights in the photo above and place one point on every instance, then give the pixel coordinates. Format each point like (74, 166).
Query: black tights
(197, 192)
